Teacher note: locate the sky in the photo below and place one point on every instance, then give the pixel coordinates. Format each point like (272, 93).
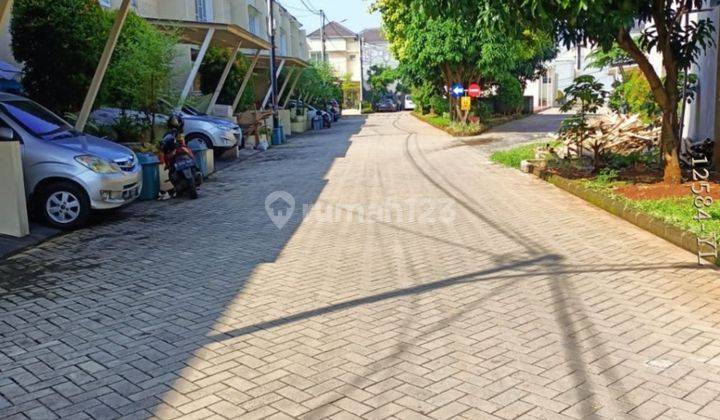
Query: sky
(355, 11)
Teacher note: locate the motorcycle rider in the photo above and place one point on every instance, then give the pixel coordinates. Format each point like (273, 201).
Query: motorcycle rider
(173, 146)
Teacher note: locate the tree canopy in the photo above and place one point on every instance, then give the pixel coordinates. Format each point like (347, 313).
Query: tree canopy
(465, 41)
(60, 42)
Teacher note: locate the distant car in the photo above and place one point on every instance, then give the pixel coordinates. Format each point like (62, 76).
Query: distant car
(311, 110)
(67, 173)
(409, 104)
(214, 132)
(386, 105)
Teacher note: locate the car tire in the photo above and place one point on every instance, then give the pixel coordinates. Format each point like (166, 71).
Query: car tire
(63, 205)
(201, 138)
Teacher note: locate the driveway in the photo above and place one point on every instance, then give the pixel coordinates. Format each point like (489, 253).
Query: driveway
(409, 278)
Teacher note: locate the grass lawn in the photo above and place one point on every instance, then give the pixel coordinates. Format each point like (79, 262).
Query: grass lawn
(513, 157)
(464, 130)
(676, 211)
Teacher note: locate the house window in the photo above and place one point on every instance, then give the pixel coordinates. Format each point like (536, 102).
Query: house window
(253, 20)
(283, 43)
(315, 56)
(203, 10)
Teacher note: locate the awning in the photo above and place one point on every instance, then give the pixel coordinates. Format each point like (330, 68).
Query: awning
(226, 35)
(264, 61)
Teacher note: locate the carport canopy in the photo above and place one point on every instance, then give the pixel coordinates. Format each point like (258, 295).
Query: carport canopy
(226, 35)
(205, 34)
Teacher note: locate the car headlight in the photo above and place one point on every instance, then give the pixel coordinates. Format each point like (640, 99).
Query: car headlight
(98, 165)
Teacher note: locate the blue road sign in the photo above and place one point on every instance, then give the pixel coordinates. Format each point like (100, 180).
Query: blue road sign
(458, 90)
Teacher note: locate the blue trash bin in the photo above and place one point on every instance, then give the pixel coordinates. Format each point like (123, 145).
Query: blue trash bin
(150, 176)
(198, 148)
(277, 136)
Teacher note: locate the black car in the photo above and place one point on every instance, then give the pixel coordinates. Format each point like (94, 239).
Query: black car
(386, 105)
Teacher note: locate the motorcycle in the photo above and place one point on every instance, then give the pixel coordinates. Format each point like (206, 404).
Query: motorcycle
(184, 172)
(698, 151)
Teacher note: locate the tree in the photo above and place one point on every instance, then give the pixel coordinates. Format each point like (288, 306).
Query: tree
(140, 70)
(59, 44)
(602, 23)
(380, 77)
(211, 70)
(442, 42)
(586, 95)
(319, 84)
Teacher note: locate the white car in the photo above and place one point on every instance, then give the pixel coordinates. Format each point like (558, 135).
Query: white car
(214, 132)
(409, 104)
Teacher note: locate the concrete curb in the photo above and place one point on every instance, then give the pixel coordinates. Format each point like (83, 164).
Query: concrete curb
(671, 233)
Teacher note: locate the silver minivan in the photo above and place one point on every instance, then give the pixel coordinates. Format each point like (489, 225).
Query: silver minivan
(67, 173)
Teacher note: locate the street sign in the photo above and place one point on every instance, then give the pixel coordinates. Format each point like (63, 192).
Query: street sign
(474, 90)
(465, 103)
(458, 90)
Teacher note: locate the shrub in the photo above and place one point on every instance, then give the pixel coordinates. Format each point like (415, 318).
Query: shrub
(484, 110)
(422, 95)
(439, 105)
(510, 95)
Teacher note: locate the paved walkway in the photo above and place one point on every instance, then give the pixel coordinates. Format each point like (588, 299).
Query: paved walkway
(424, 282)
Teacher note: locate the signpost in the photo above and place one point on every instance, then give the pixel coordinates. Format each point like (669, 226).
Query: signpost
(458, 90)
(474, 90)
(465, 103)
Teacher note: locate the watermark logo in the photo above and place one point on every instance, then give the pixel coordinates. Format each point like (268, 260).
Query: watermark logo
(280, 206)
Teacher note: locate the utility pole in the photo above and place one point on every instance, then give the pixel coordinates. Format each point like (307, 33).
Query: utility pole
(362, 71)
(322, 34)
(273, 76)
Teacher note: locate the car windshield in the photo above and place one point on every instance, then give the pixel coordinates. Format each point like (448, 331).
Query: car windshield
(192, 111)
(35, 119)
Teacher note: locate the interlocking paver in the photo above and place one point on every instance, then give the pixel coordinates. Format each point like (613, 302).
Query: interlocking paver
(424, 282)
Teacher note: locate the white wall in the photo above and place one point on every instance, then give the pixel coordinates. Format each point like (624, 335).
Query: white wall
(700, 115)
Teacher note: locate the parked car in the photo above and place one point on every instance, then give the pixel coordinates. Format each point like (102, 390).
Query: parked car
(409, 104)
(312, 111)
(67, 173)
(386, 105)
(335, 105)
(217, 134)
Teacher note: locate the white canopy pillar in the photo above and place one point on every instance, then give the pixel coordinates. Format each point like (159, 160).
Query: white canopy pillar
(5, 8)
(196, 67)
(269, 92)
(245, 81)
(103, 65)
(285, 83)
(223, 78)
(292, 89)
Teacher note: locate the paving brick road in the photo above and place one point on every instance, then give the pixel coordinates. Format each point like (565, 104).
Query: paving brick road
(424, 282)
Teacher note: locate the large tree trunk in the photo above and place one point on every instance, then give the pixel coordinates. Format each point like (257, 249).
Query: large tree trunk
(666, 95)
(670, 146)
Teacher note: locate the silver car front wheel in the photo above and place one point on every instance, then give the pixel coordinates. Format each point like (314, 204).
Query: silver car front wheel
(63, 207)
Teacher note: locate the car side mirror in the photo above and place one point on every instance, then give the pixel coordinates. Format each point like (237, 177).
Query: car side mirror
(6, 134)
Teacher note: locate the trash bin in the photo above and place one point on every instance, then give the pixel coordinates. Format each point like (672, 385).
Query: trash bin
(150, 176)
(198, 148)
(277, 136)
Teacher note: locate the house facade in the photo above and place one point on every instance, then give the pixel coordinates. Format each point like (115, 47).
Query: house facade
(342, 49)
(250, 15)
(375, 52)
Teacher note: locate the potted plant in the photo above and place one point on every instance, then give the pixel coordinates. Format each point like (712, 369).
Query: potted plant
(296, 124)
